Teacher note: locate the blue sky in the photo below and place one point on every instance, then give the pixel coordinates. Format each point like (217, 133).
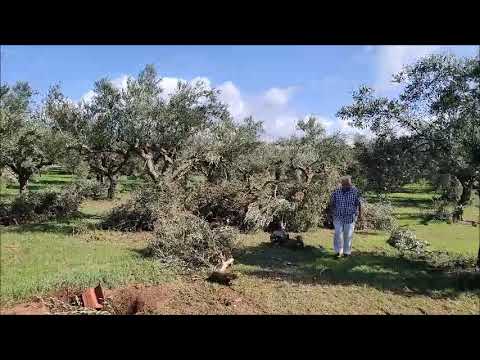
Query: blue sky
(275, 84)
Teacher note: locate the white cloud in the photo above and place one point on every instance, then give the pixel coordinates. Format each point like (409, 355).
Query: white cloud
(169, 85)
(326, 122)
(120, 82)
(230, 95)
(390, 60)
(88, 96)
(278, 96)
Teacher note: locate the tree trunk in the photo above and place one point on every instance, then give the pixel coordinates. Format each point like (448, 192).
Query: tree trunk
(100, 179)
(148, 158)
(112, 186)
(467, 187)
(23, 182)
(466, 193)
(478, 255)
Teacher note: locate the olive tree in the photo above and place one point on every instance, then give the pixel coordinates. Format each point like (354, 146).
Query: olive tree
(438, 111)
(157, 128)
(26, 145)
(94, 130)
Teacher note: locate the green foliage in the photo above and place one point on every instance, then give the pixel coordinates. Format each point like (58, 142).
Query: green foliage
(27, 144)
(448, 186)
(223, 203)
(142, 211)
(384, 165)
(438, 111)
(41, 206)
(264, 211)
(73, 162)
(377, 216)
(90, 189)
(6, 178)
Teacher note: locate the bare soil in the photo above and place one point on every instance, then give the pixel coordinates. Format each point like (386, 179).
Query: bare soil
(185, 297)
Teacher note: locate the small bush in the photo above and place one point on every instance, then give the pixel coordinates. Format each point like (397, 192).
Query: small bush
(90, 189)
(186, 240)
(406, 241)
(40, 206)
(441, 210)
(376, 217)
(7, 178)
(4, 213)
(451, 261)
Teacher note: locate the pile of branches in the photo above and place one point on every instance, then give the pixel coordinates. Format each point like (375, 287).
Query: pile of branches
(185, 240)
(220, 204)
(409, 246)
(406, 242)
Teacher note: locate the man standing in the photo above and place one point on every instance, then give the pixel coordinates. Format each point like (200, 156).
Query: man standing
(345, 208)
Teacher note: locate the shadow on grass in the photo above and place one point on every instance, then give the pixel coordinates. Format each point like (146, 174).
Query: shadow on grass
(6, 196)
(30, 187)
(143, 252)
(61, 226)
(50, 227)
(416, 190)
(422, 219)
(47, 182)
(409, 202)
(366, 232)
(382, 271)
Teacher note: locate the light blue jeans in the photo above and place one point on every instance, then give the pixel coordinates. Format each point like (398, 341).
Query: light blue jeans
(342, 239)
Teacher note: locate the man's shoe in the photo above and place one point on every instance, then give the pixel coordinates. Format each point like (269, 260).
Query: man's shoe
(347, 255)
(338, 256)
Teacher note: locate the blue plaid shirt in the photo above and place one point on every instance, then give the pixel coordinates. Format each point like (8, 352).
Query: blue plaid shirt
(345, 204)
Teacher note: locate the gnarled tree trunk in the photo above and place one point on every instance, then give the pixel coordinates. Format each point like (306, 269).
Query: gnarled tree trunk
(112, 186)
(23, 183)
(467, 188)
(23, 177)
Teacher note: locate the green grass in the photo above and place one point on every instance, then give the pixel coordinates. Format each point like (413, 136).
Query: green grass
(409, 210)
(39, 259)
(40, 262)
(55, 179)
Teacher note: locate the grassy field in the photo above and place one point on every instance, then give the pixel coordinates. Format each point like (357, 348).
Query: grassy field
(40, 259)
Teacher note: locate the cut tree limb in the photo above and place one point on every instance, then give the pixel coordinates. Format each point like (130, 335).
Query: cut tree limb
(222, 277)
(225, 265)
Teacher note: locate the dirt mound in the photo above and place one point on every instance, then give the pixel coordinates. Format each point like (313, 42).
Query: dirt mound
(36, 308)
(193, 297)
(179, 298)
